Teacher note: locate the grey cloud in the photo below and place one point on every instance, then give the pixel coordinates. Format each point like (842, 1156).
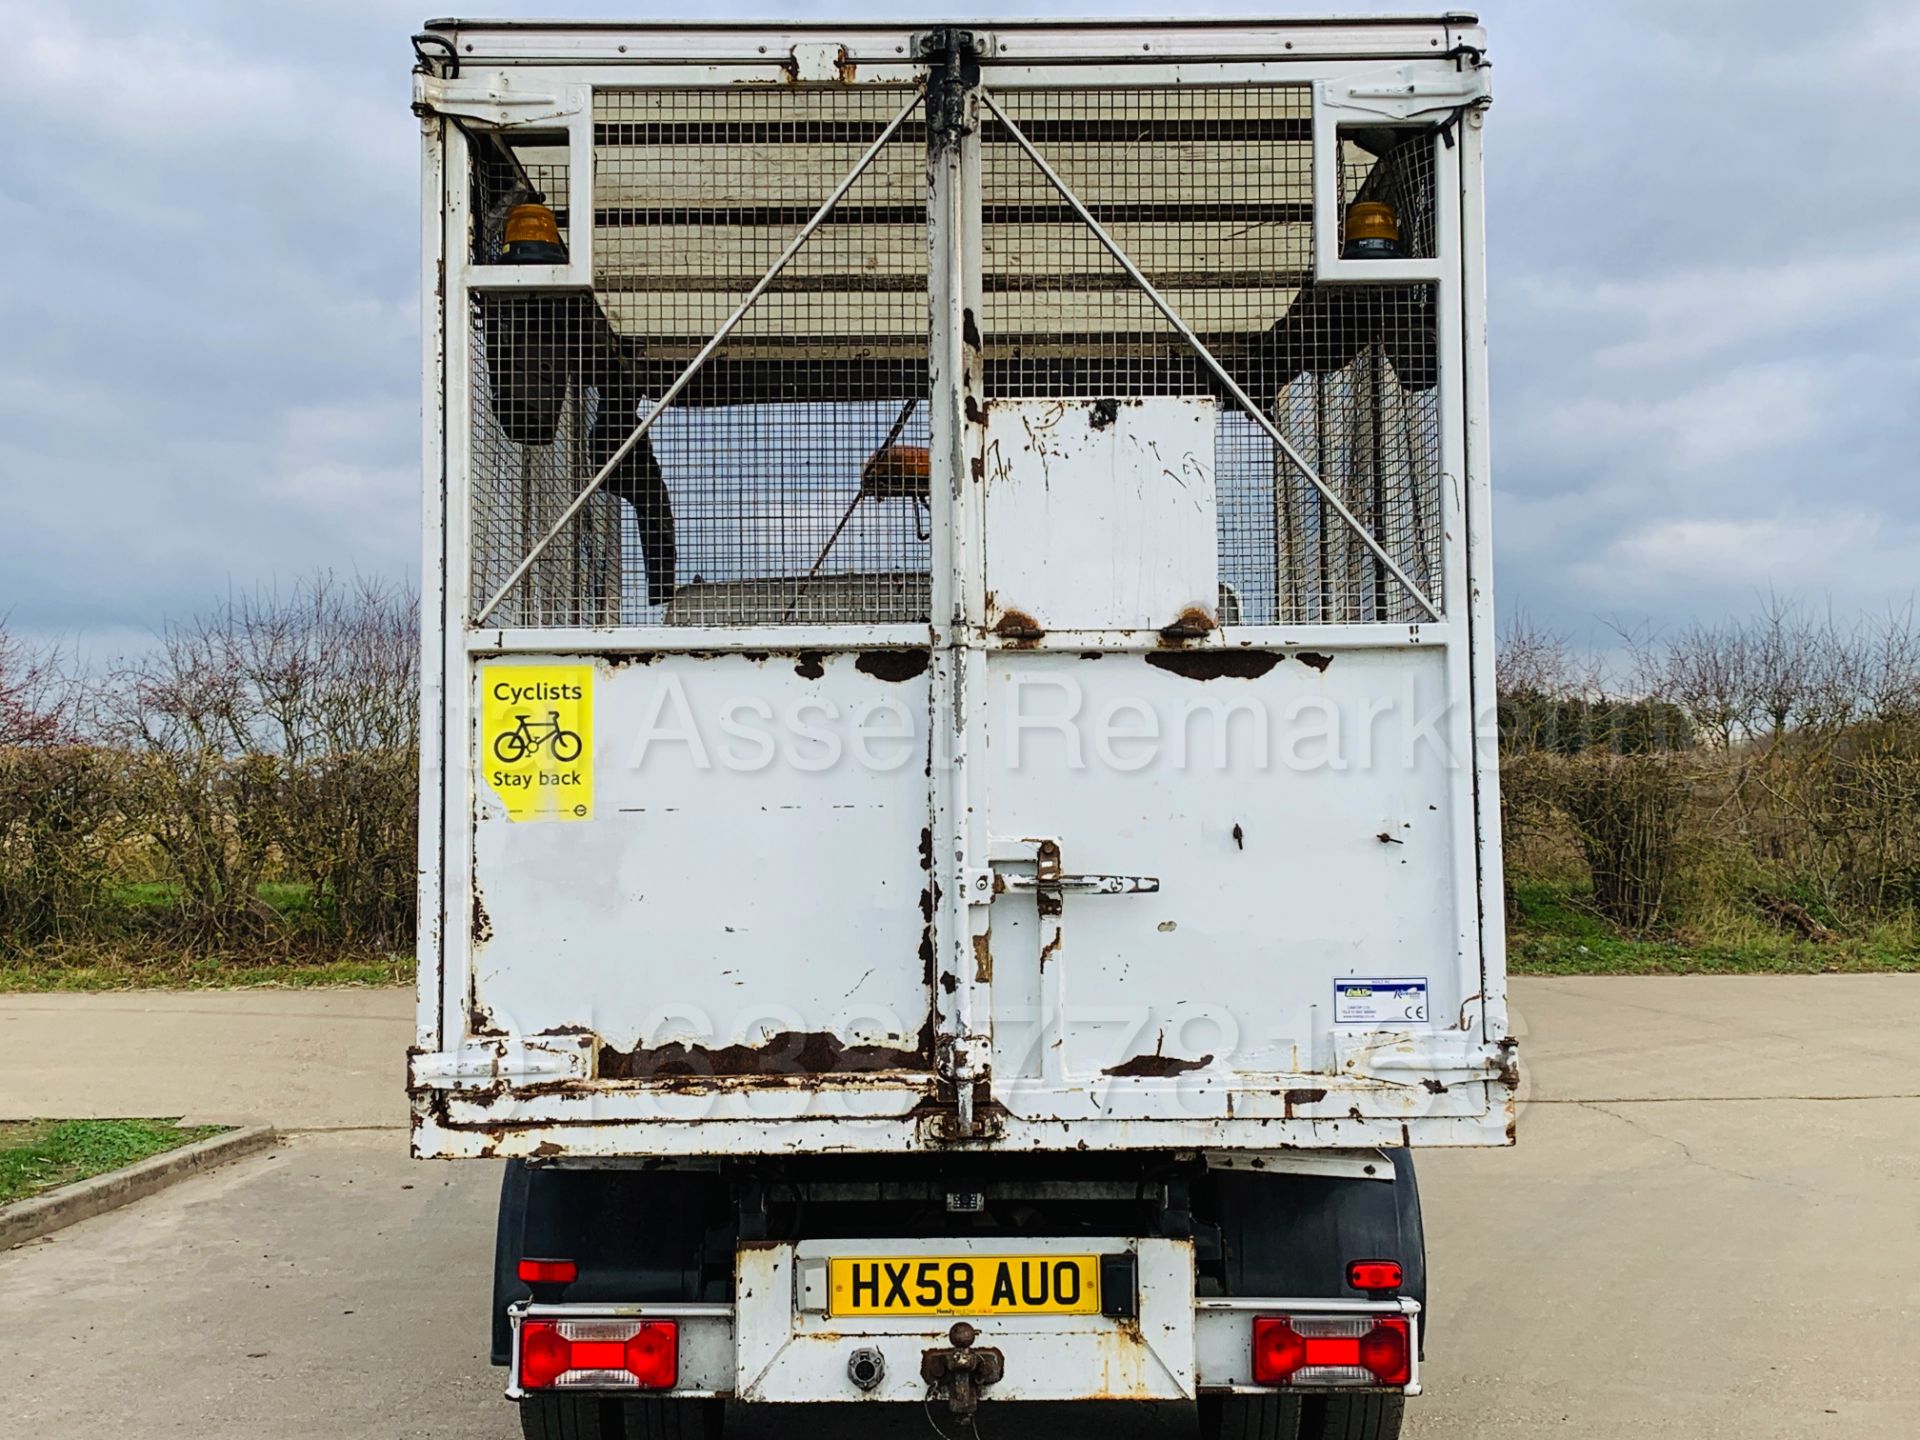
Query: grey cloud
(1703, 223)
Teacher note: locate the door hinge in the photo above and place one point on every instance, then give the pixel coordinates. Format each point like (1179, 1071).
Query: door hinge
(494, 99)
(1411, 1056)
(1421, 90)
(952, 56)
(479, 1064)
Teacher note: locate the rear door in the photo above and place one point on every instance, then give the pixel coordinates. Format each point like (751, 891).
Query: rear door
(1230, 830)
(696, 646)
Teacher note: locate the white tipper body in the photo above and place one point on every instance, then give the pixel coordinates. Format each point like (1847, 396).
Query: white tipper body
(1083, 849)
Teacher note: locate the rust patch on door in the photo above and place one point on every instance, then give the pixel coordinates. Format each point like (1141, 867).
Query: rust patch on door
(1018, 626)
(893, 665)
(1215, 664)
(1048, 951)
(810, 664)
(1192, 623)
(1304, 1097)
(791, 1053)
(983, 958)
(1313, 659)
(1156, 1065)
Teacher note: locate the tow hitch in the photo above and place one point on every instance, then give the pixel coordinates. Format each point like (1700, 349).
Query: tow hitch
(959, 1373)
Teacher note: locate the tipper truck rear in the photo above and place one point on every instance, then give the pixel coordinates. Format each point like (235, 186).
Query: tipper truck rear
(958, 859)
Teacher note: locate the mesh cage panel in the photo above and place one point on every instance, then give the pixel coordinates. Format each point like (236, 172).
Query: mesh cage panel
(787, 483)
(1209, 192)
(534, 435)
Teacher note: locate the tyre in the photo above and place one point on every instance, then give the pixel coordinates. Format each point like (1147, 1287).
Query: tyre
(510, 746)
(568, 1417)
(566, 746)
(1352, 1417)
(554, 1417)
(1250, 1417)
(672, 1419)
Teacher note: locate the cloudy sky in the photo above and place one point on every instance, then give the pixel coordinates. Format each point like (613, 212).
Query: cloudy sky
(1705, 222)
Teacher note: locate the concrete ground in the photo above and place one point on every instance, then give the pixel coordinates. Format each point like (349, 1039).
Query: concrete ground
(299, 1059)
(1710, 1227)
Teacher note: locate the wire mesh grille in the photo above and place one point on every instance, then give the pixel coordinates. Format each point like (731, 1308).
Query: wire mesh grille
(1209, 192)
(788, 482)
(537, 426)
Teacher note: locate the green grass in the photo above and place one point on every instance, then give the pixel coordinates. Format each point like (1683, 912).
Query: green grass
(134, 952)
(38, 1155)
(141, 899)
(1555, 932)
(97, 970)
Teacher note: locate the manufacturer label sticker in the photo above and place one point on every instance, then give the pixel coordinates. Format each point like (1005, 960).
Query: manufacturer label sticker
(1400, 1000)
(536, 739)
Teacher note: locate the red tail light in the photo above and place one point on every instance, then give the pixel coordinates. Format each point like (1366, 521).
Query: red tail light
(599, 1354)
(548, 1272)
(1375, 1274)
(1332, 1350)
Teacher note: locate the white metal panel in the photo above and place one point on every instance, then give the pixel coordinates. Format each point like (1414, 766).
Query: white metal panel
(752, 875)
(1100, 514)
(1299, 822)
(789, 1357)
(696, 1119)
(679, 45)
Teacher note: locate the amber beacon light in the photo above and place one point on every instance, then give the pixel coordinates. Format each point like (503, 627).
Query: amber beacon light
(532, 237)
(1373, 231)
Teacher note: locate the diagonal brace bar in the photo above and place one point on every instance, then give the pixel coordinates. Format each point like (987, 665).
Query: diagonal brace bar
(1259, 415)
(694, 365)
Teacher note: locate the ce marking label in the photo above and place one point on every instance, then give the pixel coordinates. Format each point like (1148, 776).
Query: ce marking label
(1380, 1000)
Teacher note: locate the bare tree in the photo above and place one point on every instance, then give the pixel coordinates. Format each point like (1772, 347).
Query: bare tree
(1707, 670)
(1532, 660)
(279, 734)
(1782, 671)
(36, 698)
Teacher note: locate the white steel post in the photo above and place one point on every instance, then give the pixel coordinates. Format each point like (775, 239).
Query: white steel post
(958, 662)
(430, 944)
(1478, 503)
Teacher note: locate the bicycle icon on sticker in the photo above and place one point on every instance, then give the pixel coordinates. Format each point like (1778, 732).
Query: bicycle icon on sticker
(530, 736)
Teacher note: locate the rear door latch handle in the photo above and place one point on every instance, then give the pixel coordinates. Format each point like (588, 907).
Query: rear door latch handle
(1087, 884)
(1043, 853)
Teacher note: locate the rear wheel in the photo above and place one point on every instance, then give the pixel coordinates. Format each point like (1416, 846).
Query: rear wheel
(1250, 1417)
(673, 1419)
(557, 1417)
(1352, 1417)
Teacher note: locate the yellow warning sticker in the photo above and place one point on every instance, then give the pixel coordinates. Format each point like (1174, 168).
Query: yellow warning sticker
(536, 739)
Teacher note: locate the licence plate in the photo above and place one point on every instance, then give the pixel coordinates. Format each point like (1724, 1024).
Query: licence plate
(973, 1285)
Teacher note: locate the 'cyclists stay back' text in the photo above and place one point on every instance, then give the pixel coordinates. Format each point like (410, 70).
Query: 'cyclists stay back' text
(536, 739)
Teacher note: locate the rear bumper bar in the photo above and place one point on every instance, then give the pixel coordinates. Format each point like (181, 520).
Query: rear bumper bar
(769, 1349)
